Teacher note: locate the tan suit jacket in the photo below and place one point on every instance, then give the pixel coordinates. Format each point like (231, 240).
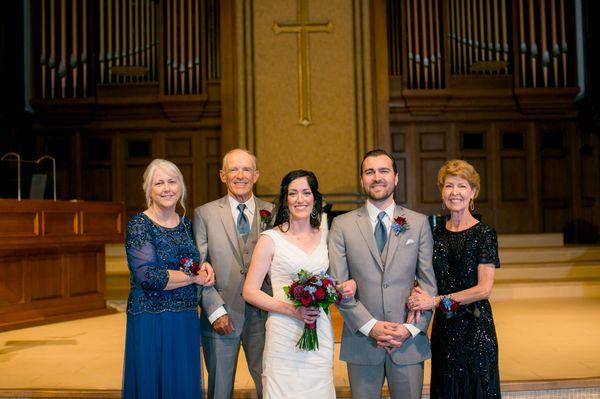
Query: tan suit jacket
(221, 245)
(384, 282)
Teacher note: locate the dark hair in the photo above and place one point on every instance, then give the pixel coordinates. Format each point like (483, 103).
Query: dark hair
(281, 205)
(376, 153)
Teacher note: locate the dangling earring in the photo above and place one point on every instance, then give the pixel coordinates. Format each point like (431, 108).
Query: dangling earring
(472, 204)
(313, 213)
(443, 206)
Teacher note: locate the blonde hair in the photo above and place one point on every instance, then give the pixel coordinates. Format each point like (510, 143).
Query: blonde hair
(462, 169)
(170, 169)
(224, 165)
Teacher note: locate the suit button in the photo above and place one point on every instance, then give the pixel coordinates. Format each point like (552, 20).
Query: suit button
(242, 271)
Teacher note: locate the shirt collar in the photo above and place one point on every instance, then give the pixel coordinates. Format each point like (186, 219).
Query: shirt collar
(374, 211)
(250, 204)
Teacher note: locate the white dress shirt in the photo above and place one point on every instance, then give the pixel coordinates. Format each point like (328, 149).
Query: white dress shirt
(387, 222)
(235, 212)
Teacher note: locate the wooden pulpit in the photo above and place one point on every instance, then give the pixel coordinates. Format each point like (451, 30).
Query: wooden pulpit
(52, 264)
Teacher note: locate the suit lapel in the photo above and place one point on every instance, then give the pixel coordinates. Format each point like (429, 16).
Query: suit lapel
(230, 229)
(394, 239)
(366, 229)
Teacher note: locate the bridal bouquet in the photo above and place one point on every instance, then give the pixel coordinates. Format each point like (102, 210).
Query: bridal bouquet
(312, 290)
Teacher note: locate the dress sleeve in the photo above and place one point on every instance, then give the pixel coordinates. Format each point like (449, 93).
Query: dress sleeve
(141, 258)
(489, 250)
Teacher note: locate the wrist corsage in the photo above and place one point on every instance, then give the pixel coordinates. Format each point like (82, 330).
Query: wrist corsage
(448, 305)
(189, 266)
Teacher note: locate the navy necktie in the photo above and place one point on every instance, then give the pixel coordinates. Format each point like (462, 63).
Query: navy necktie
(380, 232)
(243, 225)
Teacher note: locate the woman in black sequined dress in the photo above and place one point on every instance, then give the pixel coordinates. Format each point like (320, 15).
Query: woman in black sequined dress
(464, 346)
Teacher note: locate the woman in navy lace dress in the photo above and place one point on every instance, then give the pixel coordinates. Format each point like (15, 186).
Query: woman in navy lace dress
(464, 347)
(162, 344)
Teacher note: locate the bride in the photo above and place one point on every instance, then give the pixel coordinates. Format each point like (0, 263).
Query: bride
(296, 242)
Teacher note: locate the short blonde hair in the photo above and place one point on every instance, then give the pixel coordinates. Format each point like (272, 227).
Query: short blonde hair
(462, 169)
(170, 169)
(224, 165)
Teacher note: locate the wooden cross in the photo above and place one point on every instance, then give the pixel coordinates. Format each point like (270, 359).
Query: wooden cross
(302, 28)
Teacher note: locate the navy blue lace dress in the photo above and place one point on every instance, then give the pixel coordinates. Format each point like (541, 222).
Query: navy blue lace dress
(162, 344)
(464, 348)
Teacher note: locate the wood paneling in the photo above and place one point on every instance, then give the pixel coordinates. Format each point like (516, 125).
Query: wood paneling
(83, 271)
(432, 141)
(401, 189)
(526, 171)
(135, 198)
(179, 147)
(19, 224)
(97, 182)
(11, 281)
(60, 223)
(480, 165)
(514, 179)
(102, 223)
(556, 177)
(429, 167)
(56, 274)
(46, 278)
(555, 219)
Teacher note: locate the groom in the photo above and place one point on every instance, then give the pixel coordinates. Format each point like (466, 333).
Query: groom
(384, 248)
(226, 231)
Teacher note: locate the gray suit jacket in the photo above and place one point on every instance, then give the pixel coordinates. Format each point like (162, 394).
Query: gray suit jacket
(221, 245)
(384, 282)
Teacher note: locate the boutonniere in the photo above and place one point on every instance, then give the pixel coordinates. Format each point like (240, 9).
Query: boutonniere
(265, 218)
(400, 225)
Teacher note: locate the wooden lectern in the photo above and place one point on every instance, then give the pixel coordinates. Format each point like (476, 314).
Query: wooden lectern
(52, 264)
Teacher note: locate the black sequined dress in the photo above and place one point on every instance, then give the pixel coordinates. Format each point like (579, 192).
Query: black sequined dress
(464, 347)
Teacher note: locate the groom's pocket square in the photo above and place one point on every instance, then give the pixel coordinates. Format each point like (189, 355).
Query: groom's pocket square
(410, 242)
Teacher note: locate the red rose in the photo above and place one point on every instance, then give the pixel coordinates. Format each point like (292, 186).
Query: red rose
(320, 294)
(454, 307)
(298, 292)
(401, 221)
(327, 282)
(195, 268)
(306, 299)
(264, 213)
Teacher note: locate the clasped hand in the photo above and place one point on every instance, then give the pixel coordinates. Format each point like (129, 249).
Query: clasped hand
(206, 276)
(419, 300)
(389, 335)
(347, 288)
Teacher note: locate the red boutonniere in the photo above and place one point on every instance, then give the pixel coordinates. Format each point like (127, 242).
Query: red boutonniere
(400, 225)
(189, 266)
(265, 218)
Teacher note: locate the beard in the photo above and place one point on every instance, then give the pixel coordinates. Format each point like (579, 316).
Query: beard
(381, 195)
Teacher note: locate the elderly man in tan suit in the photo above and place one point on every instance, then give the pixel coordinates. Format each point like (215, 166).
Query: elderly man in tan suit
(226, 232)
(384, 248)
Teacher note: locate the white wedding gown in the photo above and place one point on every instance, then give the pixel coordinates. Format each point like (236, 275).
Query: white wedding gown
(287, 371)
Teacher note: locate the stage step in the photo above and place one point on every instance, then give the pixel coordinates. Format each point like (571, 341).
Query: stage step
(571, 271)
(530, 240)
(570, 253)
(532, 266)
